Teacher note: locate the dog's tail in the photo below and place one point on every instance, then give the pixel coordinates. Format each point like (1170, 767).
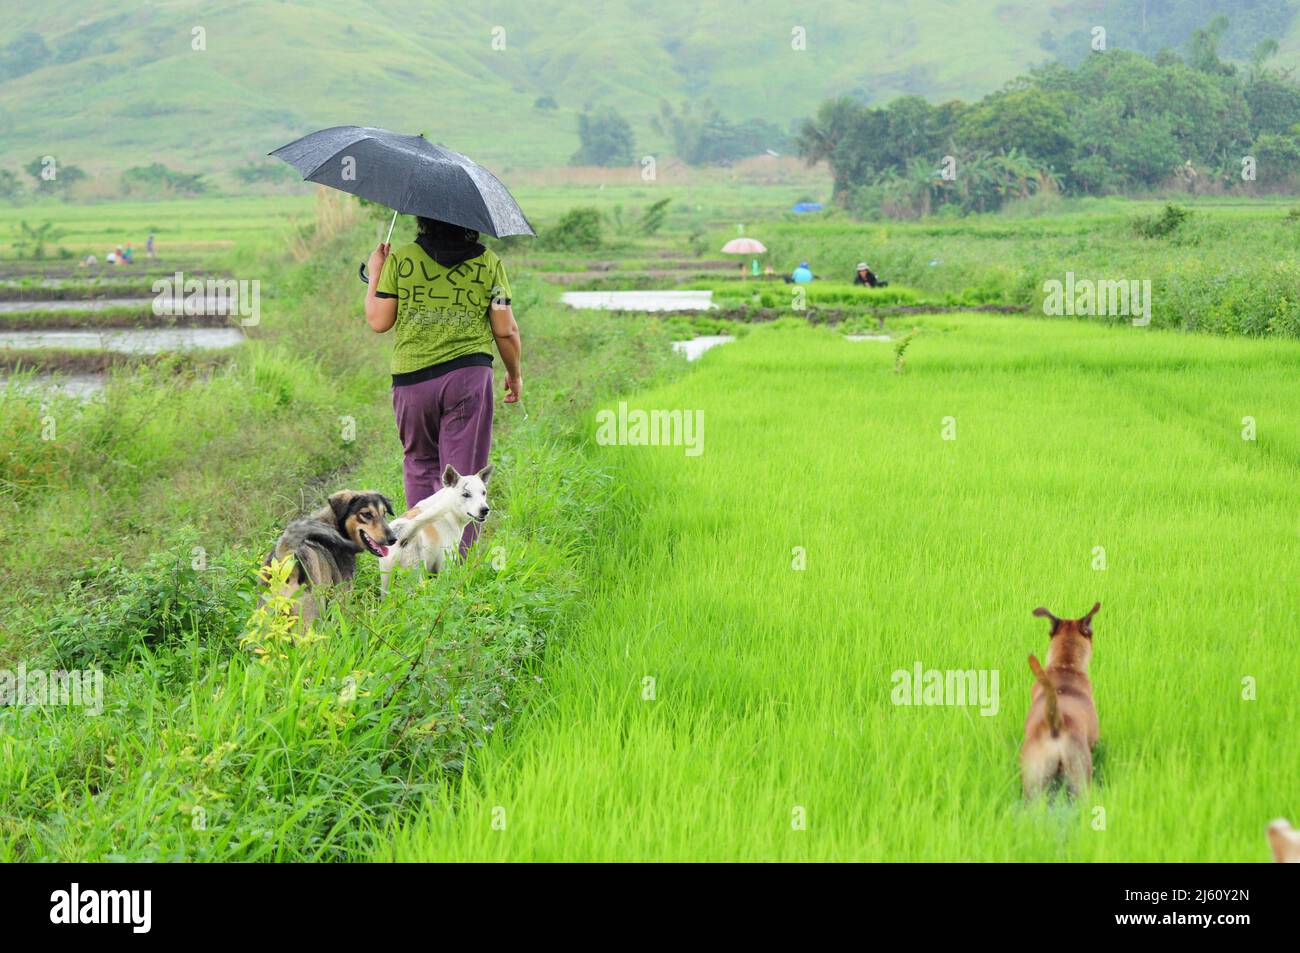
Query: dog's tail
(1049, 692)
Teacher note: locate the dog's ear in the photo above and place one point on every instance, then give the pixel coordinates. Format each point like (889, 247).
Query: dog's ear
(339, 504)
(449, 476)
(388, 504)
(486, 473)
(1085, 624)
(1041, 611)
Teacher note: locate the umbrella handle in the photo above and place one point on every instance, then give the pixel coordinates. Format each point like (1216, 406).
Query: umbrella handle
(361, 272)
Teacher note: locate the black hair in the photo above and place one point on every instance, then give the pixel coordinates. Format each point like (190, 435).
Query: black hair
(440, 232)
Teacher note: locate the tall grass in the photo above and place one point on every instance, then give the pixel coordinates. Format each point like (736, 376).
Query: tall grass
(175, 442)
(208, 750)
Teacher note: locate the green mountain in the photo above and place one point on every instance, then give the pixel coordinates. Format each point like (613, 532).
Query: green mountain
(106, 87)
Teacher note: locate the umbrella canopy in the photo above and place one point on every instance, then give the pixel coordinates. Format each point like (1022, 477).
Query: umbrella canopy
(744, 246)
(409, 174)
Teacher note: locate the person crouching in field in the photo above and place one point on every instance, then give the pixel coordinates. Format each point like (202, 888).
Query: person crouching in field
(865, 276)
(448, 299)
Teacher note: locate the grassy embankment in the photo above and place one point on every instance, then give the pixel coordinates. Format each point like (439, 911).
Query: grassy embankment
(154, 506)
(1231, 268)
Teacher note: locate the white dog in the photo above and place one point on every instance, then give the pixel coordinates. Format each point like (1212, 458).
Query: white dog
(430, 533)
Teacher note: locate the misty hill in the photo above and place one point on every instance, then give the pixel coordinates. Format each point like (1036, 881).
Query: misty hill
(108, 88)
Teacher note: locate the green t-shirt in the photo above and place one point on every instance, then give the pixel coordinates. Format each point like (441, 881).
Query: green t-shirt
(442, 313)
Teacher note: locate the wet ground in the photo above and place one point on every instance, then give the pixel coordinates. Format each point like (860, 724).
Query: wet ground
(137, 341)
(96, 304)
(640, 300)
(696, 347)
(84, 386)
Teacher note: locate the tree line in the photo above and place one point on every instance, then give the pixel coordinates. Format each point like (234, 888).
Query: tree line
(1120, 121)
(47, 177)
(700, 134)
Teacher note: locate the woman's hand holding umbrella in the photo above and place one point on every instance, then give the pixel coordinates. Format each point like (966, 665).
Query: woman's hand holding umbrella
(377, 259)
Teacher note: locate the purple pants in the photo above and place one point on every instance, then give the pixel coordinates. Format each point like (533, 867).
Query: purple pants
(447, 420)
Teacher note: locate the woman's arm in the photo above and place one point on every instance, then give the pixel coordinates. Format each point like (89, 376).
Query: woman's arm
(381, 313)
(506, 331)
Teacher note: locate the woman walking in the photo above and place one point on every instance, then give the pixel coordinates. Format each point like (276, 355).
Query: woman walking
(448, 299)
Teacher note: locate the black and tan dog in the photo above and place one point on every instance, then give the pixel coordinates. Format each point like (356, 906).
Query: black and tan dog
(324, 545)
(1061, 729)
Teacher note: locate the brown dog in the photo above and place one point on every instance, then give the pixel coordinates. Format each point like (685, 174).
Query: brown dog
(1285, 841)
(1061, 729)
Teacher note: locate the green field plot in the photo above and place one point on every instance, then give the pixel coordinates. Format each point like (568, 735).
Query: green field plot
(732, 678)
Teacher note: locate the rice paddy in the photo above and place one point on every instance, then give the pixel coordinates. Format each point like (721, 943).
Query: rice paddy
(731, 692)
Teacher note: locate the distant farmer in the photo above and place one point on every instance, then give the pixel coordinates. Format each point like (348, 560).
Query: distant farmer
(449, 299)
(129, 254)
(802, 275)
(865, 276)
(148, 247)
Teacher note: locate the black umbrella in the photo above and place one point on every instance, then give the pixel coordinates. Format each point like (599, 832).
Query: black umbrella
(409, 174)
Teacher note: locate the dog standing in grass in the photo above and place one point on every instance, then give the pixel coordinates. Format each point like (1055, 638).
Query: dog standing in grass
(1061, 729)
(1285, 841)
(429, 532)
(324, 545)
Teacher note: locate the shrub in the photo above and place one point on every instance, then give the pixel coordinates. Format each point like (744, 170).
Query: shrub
(155, 178)
(606, 139)
(265, 172)
(33, 240)
(53, 177)
(578, 230)
(11, 187)
(113, 613)
(1162, 225)
(653, 218)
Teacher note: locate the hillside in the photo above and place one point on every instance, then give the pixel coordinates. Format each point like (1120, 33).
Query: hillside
(108, 90)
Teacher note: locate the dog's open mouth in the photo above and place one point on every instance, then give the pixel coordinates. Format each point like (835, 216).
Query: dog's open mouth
(377, 548)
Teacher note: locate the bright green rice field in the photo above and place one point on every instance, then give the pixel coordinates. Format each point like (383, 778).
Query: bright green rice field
(684, 657)
(771, 694)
